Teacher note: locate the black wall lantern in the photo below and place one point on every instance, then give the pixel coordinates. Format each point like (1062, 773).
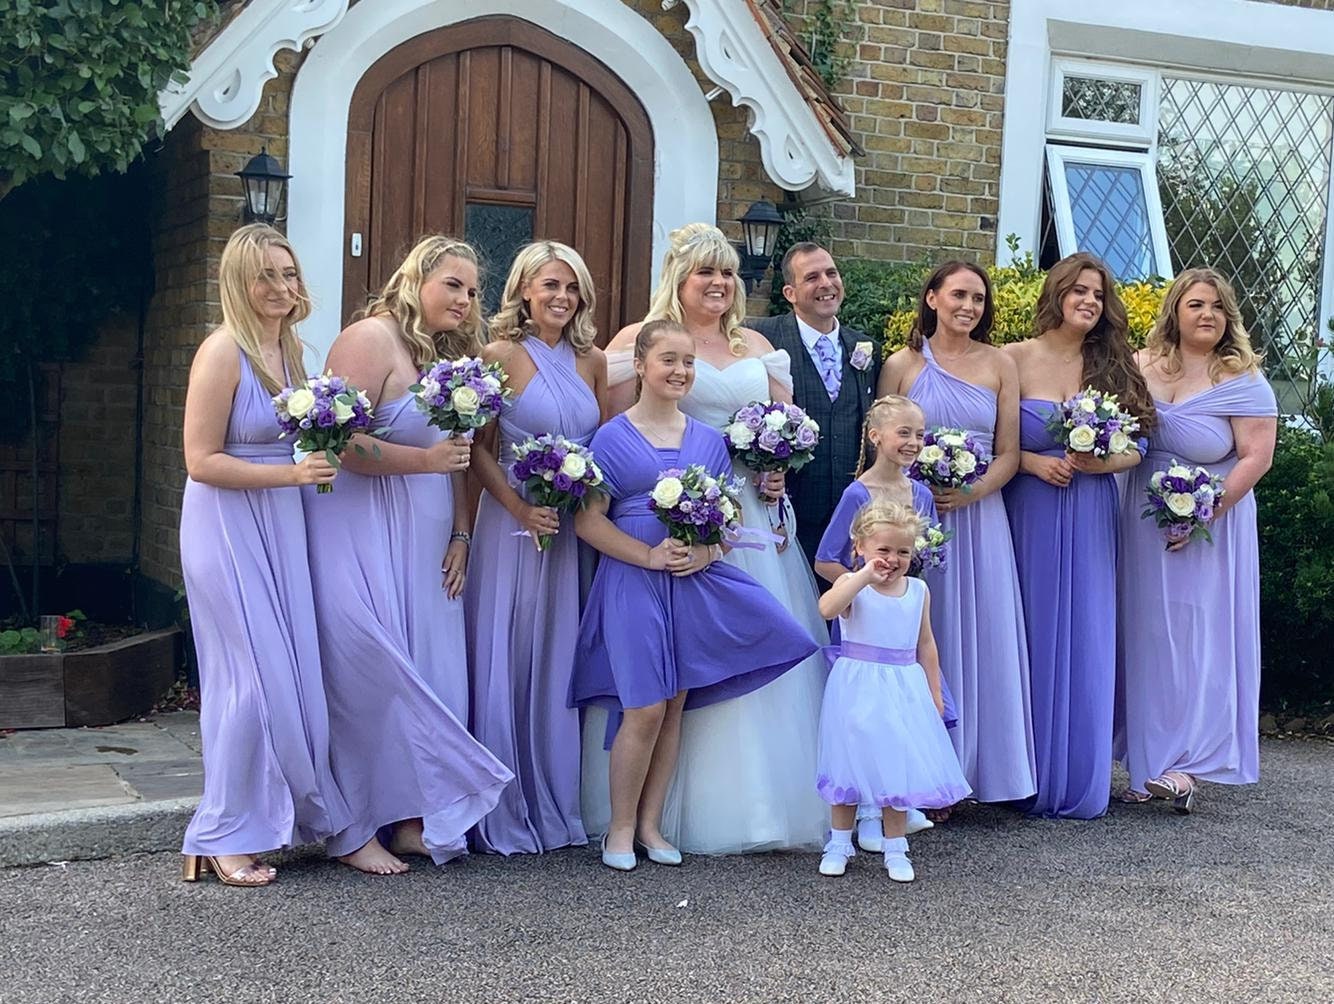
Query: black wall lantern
(265, 185)
(760, 228)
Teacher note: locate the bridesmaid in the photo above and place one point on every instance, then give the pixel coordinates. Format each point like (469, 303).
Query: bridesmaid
(950, 368)
(1063, 515)
(267, 780)
(523, 605)
(667, 627)
(388, 556)
(1189, 654)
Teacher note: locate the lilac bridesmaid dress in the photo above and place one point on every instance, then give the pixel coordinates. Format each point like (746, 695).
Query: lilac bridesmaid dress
(836, 542)
(523, 615)
(1189, 630)
(646, 635)
(267, 779)
(976, 610)
(1065, 552)
(393, 650)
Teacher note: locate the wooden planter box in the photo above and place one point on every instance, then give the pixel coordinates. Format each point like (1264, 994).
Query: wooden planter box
(93, 686)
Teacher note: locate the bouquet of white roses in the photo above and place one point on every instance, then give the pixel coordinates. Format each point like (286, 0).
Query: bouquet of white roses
(950, 458)
(462, 394)
(1182, 500)
(1094, 423)
(556, 473)
(323, 413)
(930, 550)
(697, 507)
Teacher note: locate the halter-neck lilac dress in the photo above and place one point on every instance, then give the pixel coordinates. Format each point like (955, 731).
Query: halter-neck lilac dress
(976, 611)
(1065, 552)
(393, 650)
(263, 720)
(1189, 653)
(647, 635)
(523, 616)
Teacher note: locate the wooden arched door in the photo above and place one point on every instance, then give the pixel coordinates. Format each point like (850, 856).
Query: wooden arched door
(499, 131)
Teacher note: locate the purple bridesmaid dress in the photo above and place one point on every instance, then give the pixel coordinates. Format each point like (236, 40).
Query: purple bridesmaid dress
(1189, 653)
(646, 635)
(267, 780)
(836, 542)
(523, 616)
(976, 610)
(394, 653)
(1065, 552)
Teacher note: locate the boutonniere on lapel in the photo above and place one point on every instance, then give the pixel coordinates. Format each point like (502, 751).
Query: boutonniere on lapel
(861, 355)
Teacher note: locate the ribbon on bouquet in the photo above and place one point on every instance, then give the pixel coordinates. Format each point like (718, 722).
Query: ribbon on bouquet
(751, 537)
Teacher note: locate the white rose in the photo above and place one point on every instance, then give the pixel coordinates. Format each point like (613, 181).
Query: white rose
(727, 509)
(363, 400)
(574, 466)
(300, 402)
(464, 400)
(1177, 471)
(1118, 442)
(597, 474)
(931, 454)
(1087, 404)
(775, 420)
(342, 412)
(951, 439)
(1156, 479)
(1205, 494)
(811, 424)
(430, 387)
(965, 462)
(492, 383)
(667, 492)
(919, 544)
(1181, 503)
(739, 435)
(1083, 439)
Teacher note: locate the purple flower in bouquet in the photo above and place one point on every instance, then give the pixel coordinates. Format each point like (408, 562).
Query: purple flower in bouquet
(1181, 500)
(771, 436)
(554, 472)
(461, 395)
(930, 550)
(1094, 423)
(323, 413)
(696, 507)
(950, 458)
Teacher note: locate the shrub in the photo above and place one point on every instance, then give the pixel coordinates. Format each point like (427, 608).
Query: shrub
(874, 291)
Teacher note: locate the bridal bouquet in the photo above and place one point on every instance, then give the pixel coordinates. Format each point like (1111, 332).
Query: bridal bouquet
(556, 473)
(461, 395)
(1093, 422)
(770, 436)
(1181, 501)
(323, 413)
(696, 507)
(930, 550)
(950, 458)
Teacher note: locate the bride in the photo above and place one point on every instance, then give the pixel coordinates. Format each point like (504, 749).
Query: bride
(745, 780)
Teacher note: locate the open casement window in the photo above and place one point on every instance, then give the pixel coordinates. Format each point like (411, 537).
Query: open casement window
(1106, 202)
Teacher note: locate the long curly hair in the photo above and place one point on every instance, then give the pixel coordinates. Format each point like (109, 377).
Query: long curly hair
(1109, 361)
(925, 325)
(400, 298)
(692, 247)
(1233, 353)
(513, 323)
(244, 262)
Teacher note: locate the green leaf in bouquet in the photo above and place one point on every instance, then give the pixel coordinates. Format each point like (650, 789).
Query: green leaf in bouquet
(332, 457)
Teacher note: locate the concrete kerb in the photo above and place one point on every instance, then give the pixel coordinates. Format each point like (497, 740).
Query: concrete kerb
(100, 832)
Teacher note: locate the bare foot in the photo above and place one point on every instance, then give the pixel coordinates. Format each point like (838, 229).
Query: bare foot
(408, 839)
(244, 868)
(373, 859)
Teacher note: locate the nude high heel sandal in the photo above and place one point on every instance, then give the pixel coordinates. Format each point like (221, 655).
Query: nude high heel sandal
(196, 866)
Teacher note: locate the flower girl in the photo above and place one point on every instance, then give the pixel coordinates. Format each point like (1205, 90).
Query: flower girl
(881, 736)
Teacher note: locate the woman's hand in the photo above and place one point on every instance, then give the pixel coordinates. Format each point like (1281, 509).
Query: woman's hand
(449, 455)
(314, 469)
(771, 486)
(455, 568)
(1056, 471)
(539, 520)
(696, 558)
(1113, 463)
(666, 551)
(950, 499)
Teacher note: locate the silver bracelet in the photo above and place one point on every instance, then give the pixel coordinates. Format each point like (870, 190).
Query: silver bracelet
(462, 535)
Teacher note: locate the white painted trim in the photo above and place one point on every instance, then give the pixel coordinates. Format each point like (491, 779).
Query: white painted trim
(685, 140)
(226, 80)
(1137, 134)
(1063, 211)
(733, 52)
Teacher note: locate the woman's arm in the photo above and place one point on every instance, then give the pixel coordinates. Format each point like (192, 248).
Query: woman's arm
(593, 526)
(622, 393)
(839, 596)
(1255, 455)
(830, 570)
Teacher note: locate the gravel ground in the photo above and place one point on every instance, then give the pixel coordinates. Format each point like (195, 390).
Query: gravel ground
(1233, 903)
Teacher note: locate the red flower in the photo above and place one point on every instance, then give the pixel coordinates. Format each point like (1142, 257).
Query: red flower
(63, 626)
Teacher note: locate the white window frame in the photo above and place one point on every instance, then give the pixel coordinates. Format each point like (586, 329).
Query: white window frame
(1063, 212)
(1138, 134)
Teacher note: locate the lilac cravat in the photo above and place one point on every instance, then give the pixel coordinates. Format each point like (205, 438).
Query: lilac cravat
(824, 348)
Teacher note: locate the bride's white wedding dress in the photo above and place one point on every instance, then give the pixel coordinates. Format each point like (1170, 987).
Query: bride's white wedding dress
(745, 780)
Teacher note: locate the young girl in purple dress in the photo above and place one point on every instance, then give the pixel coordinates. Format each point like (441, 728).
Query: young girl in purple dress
(882, 740)
(666, 627)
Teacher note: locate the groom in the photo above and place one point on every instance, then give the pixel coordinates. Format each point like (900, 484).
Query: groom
(834, 372)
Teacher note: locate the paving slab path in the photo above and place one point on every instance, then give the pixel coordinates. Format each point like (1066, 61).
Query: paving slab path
(1235, 903)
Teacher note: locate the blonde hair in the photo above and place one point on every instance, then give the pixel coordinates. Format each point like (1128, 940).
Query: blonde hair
(1233, 353)
(881, 411)
(244, 262)
(695, 246)
(881, 513)
(512, 321)
(401, 299)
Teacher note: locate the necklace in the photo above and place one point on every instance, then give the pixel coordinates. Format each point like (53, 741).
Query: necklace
(662, 439)
(954, 358)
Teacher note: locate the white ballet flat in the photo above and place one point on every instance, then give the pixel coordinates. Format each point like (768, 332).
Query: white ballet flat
(835, 860)
(660, 855)
(917, 821)
(619, 862)
(896, 860)
(870, 835)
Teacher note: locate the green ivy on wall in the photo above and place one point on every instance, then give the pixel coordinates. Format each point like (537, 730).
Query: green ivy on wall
(824, 21)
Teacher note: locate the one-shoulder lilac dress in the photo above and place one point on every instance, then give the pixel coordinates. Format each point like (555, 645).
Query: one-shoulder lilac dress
(1065, 543)
(523, 615)
(393, 651)
(976, 611)
(1189, 625)
(263, 719)
(646, 635)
